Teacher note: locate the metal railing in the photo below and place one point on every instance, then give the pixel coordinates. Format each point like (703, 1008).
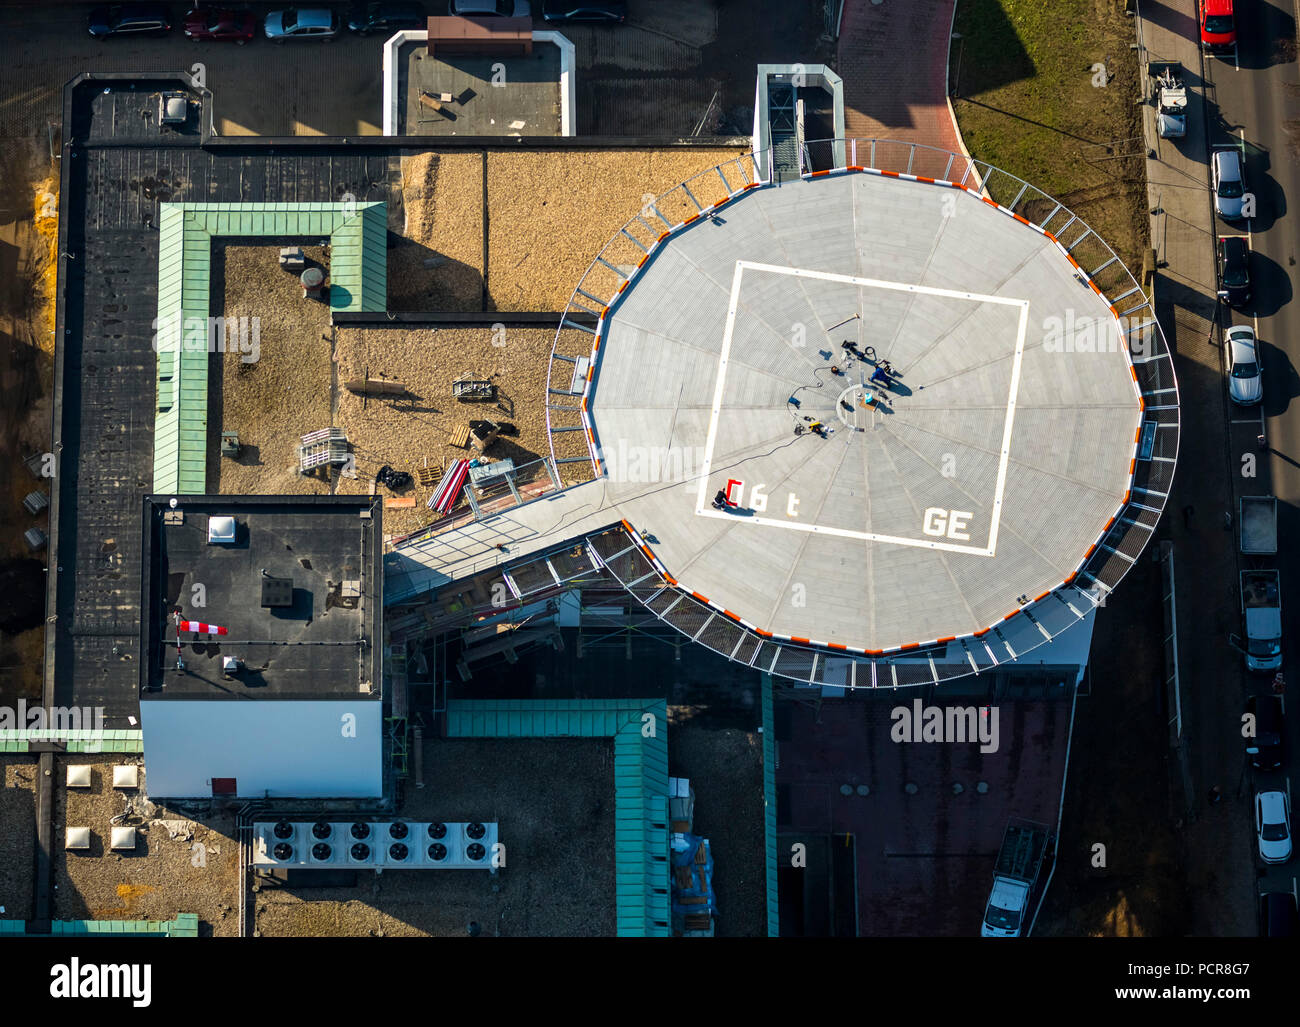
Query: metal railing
(608, 276)
(1037, 621)
(832, 13)
(522, 485)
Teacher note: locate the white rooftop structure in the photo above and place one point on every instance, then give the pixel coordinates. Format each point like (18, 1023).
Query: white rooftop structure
(77, 838)
(984, 473)
(122, 839)
(221, 530)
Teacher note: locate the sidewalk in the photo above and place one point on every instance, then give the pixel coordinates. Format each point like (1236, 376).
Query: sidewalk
(893, 57)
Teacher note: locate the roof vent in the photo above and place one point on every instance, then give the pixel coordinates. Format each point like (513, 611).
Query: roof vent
(122, 839)
(77, 838)
(221, 530)
(276, 592)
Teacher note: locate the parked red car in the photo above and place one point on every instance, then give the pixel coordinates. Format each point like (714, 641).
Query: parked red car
(1218, 25)
(221, 24)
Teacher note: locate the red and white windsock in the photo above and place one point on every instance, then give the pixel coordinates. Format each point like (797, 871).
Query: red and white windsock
(199, 628)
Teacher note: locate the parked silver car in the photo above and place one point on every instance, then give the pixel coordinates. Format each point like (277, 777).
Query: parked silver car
(302, 23)
(488, 8)
(1245, 379)
(1229, 176)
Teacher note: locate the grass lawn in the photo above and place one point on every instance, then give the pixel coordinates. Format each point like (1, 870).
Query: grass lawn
(1030, 100)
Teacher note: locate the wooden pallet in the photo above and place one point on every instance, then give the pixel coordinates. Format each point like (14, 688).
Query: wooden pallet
(459, 437)
(428, 476)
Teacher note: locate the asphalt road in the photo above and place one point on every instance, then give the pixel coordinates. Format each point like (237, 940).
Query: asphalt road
(1255, 101)
(676, 67)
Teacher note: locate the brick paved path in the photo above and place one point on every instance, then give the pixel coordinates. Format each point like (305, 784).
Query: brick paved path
(893, 57)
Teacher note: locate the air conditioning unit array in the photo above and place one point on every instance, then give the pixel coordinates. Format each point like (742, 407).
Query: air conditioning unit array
(380, 844)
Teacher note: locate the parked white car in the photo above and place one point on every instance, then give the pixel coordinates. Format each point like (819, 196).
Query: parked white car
(1273, 826)
(1245, 375)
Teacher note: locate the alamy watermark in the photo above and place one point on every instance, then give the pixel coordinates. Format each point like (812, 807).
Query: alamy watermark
(1075, 333)
(952, 724)
(75, 979)
(652, 464)
(242, 335)
(56, 723)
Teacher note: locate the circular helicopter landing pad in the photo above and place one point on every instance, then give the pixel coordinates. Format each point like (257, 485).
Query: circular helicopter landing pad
(922, 505)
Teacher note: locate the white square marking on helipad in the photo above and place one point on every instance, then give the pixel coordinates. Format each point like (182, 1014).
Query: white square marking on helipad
(704, 509)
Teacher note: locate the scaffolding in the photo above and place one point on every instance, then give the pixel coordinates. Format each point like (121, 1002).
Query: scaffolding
(398, 745)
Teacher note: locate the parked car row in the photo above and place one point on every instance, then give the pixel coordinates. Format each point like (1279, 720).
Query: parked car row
(1266, 751)
(239, 25)
(1279, 915)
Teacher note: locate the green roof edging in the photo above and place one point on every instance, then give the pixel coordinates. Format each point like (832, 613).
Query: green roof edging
(186, 925)
(84, 740)
(640, 785)
(358, 234)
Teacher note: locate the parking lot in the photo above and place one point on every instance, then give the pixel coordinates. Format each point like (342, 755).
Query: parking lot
(676, 68)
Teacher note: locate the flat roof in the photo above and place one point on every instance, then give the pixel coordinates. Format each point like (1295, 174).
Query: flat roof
(557, 826)
(106, 396)
(986, 472)
(936, 840)
(320, 645)
(493, 94)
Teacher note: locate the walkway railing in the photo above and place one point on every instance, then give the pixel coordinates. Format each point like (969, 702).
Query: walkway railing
(577, 341)
(522, 485)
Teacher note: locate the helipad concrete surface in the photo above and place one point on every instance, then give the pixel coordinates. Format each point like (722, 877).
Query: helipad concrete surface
(985, 472)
